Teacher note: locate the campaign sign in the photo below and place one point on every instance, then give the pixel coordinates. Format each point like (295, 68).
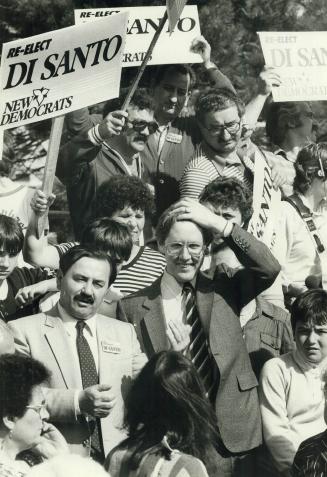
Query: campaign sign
(142, 25)
(60, 71)
(300, 58)
(266, 202)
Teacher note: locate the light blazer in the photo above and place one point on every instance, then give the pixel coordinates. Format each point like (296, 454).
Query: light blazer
(44, 337)
(219, 301)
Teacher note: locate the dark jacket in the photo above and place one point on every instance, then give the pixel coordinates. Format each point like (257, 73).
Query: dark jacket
(219, 302)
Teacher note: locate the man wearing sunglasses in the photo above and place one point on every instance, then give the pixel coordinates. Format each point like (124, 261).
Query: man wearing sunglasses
(112, 147)
(189, 312)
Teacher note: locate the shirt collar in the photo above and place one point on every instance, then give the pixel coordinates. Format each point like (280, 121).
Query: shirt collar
(170, 283)
(70, 322)
(232, 159)
(307, 366)
(290, 156)
(320, 209)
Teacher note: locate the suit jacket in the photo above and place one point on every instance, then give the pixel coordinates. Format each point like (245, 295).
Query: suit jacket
(44, 337)
(219, 302)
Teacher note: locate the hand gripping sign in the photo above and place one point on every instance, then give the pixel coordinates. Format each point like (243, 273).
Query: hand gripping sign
(60, 71)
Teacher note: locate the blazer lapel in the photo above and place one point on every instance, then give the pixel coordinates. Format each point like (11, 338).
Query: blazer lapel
(57, 339)
(204, 301)
(154, 319)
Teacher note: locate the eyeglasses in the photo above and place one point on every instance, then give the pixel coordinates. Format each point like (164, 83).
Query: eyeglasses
(232, 128)
(38, 408)
(139, 126)
(175, 248)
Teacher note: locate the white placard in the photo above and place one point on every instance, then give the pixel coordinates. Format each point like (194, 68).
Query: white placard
(266, 202)
(300, 58)
(60, 71)
(142, 25)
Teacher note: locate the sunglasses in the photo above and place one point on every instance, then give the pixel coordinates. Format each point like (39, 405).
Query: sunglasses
(139, 126)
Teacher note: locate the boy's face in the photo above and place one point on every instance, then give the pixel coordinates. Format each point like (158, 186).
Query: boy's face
(8, 262)
(311, 341)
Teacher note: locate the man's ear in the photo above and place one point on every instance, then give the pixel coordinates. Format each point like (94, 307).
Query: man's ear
(59, 279)
(9, 422)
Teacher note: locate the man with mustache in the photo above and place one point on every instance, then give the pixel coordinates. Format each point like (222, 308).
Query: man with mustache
(110, 148)
(92, 358)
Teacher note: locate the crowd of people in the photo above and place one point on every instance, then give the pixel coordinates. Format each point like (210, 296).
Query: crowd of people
(166, 339)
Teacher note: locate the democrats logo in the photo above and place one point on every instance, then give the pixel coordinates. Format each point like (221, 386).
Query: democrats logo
(34, 106)
(40, 95)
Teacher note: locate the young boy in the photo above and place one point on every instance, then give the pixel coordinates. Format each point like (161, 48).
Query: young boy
(291, 393)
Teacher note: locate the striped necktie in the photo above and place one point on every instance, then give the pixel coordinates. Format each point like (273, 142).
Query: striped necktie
(89, 378)
(198, 350)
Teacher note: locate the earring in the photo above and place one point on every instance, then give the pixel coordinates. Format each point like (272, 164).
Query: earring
(10, 434)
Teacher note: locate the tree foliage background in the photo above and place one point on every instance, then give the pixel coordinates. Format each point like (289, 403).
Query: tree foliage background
(230, 26)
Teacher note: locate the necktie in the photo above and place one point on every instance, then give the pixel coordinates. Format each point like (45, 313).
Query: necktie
(198, 351)
(89, 378)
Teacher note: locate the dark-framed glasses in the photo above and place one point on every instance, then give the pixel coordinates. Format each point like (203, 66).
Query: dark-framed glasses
(139, 126)
(175, 248)
(232, 128)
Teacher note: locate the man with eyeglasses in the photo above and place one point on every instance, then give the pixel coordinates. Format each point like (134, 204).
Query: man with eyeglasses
(189, 312)
(112, 147)
(219, 115)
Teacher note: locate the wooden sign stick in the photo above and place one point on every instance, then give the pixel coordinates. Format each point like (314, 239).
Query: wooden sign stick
(50, 166)
(144, 62)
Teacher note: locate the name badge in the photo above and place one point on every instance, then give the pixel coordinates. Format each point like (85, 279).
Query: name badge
(114, 348)
(175, 138)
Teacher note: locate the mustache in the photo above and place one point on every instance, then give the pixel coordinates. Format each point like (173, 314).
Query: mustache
(141, 137)
(84, 298)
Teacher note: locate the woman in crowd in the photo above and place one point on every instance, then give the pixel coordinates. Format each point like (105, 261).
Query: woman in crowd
(13, 280)
(171, 426)
(301, 229)
(23, 415)
(129, 200)
(125, 199)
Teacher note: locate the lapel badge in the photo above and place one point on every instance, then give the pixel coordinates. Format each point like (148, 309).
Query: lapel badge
(112, 347)
(175, 138)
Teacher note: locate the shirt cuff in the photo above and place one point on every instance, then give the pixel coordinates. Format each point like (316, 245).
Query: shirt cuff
(94, 136)
(76, 404)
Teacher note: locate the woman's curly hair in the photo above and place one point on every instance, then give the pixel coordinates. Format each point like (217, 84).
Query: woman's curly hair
(124, 191)
(18, 376)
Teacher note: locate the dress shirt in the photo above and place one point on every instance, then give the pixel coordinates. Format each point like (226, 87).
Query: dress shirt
(90, 334)
(172, 298)
(292, 404)
(160, 137)
(295, 248)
